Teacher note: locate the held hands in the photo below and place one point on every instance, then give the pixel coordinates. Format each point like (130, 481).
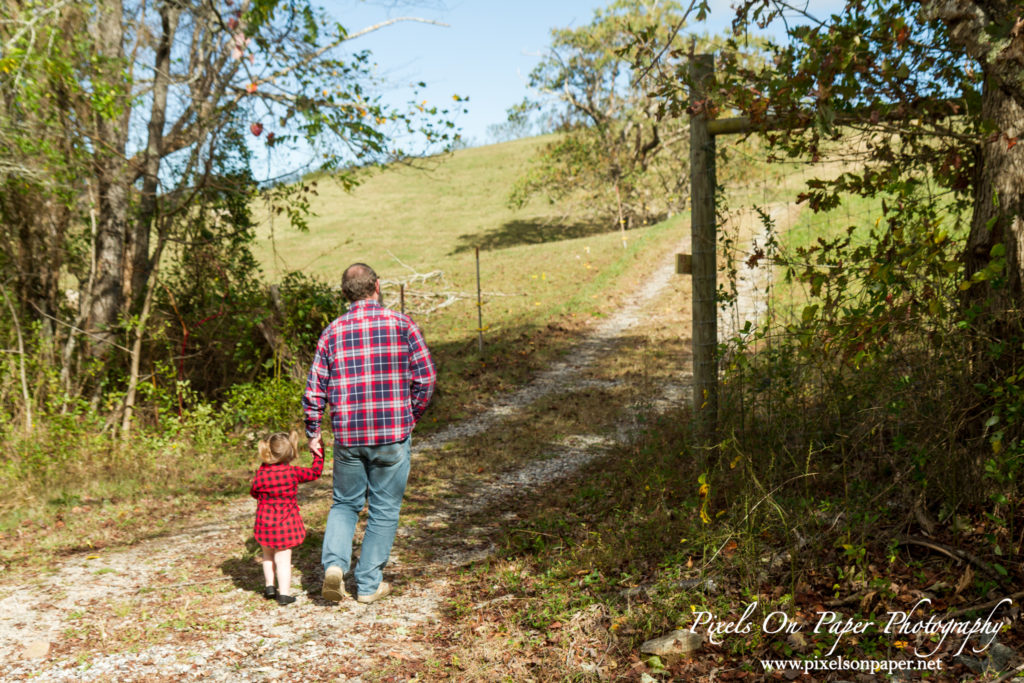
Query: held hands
(316, 445)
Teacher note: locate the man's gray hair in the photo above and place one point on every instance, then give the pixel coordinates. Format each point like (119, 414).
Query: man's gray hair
(359, 282)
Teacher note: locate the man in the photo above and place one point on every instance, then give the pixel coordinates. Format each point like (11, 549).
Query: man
(374, 370)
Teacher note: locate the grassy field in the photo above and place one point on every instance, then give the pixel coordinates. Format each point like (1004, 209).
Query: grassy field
(424, 216)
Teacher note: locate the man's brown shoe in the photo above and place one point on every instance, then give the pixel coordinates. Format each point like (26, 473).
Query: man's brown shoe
(333, 581)
(383, 589)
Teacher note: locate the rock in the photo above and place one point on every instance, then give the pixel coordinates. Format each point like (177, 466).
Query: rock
(998, 660)
(638, 593)
(37, 649)
(673, 645)
(708, 585)
(796, 640)
(1000, 656)
(975, 665)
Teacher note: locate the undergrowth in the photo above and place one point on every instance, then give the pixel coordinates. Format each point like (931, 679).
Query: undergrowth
(868, 456)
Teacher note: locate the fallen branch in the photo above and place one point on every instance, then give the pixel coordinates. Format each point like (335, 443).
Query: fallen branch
(1009, 674)
(447, 296)
(951, 552)
(415, 277)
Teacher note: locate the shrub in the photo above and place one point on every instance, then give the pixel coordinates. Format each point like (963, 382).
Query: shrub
(268, 405)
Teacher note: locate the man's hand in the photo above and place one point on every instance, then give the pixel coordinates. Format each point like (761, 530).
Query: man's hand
(316, 444)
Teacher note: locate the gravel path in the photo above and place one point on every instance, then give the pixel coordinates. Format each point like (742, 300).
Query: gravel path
(253, 641)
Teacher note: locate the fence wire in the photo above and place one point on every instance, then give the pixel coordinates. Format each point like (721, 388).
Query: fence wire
(762, 227)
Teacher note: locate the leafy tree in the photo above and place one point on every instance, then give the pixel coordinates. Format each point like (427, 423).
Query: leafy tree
(42, 164)
(932, 90)
(122, 111)
(923, 102)
(617, 157)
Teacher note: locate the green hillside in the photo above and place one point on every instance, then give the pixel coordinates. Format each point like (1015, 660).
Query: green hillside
(431, 217)
(419, 214)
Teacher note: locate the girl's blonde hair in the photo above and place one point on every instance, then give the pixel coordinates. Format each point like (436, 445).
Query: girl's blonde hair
(279, 447)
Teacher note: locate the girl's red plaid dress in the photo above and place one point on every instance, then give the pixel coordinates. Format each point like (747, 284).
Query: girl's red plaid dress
(278, 522)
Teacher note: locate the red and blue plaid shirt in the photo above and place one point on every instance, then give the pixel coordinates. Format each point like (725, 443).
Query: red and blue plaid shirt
(374, 370)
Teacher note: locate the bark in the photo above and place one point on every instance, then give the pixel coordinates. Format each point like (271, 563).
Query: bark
(136, 355)
(999, 197)
(992, 32)
(106, 295)
(114, 185)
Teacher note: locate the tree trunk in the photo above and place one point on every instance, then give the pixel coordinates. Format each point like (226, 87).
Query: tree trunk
(114, 187)
(999, 200)
(141, 263)
(136, 355)
(106, 294)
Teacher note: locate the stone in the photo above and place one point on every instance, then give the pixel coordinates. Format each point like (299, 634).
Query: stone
(975, 665)
(673, 645)
(1000, 656)
(796, 640)
(37, 649)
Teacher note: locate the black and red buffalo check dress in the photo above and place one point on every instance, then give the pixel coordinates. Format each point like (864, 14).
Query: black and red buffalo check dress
(278, 522)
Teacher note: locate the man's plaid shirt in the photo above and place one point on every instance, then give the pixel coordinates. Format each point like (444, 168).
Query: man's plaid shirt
(374, 370)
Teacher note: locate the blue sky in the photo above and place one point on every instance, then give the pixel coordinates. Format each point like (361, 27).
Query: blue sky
(486, 52)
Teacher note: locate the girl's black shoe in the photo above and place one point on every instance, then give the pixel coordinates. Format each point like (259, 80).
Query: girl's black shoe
(285, 599)
(270, 592)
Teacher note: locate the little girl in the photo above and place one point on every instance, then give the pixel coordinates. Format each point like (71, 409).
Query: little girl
(279, 526)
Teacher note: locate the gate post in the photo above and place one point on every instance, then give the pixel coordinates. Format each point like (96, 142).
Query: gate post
(703, 248)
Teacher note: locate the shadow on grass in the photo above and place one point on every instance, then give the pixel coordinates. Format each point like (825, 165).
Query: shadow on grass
(245, 571)
(535, 231)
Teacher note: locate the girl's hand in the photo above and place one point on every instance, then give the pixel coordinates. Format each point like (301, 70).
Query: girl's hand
(316, 445)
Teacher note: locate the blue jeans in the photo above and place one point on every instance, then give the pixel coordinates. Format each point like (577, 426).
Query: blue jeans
(361, 473)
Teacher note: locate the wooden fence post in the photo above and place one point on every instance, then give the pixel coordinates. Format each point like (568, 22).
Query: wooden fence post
(703, 247)
(479, 305)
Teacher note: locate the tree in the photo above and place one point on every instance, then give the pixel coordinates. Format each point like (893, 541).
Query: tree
(127, 120)
(935, 91)
(617, 157)
(42, 166)
(992, 35)
(923, 101)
